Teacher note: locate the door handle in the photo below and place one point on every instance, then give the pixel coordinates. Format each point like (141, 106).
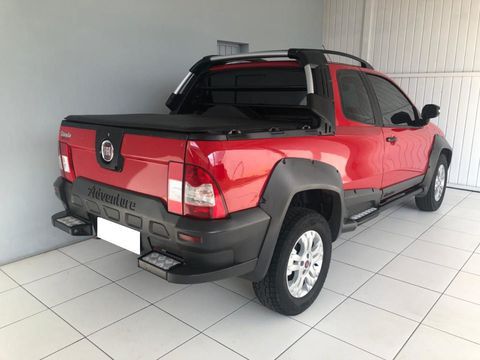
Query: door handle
(391, 139)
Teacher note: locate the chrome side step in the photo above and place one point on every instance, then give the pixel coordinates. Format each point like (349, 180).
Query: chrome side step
(353, 221)
(363, 214)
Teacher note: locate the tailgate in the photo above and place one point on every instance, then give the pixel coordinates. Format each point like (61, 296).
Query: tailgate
(140, 161)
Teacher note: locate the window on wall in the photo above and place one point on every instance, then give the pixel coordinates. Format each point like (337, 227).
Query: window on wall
(231, 47)
(355, 102)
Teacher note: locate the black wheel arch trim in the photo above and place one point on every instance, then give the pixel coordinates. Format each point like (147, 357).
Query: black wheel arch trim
(440, 145)
(289, 177)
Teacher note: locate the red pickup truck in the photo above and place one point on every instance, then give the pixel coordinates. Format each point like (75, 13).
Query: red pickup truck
(263, 161)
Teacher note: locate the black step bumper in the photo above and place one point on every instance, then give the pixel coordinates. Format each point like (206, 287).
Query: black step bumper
(72, 225)
(227, 247)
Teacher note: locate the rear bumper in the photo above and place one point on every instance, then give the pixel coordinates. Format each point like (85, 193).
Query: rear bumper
(228, 247)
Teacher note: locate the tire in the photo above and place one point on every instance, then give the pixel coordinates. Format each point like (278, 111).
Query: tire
(273, 290)
(432, 201)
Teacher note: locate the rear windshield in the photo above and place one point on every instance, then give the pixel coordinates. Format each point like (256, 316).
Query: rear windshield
(251, 91)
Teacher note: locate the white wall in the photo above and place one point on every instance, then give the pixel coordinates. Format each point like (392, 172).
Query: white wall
(432, 49)
(61, 57)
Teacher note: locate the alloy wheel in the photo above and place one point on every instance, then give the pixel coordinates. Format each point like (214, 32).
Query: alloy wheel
(304, 264)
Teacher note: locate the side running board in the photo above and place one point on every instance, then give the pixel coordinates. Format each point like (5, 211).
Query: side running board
(353, 221)
(363, 214)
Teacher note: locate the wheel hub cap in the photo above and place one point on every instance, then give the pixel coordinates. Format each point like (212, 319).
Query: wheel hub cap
(304, 264)
(439, 185)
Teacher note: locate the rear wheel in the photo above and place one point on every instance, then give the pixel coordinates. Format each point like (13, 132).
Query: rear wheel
(299, 264)
(434, 197)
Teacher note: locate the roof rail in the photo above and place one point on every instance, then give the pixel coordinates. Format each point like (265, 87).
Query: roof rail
(363, 63)
(251, 55)
(305, 56)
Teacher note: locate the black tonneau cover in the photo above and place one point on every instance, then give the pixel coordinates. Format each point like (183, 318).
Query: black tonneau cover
(183, 123)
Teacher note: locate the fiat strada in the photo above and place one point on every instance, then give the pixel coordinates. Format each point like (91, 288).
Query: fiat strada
(264, 159)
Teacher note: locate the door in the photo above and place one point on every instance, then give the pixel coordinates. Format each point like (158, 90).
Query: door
(406, 146)
(357, 130)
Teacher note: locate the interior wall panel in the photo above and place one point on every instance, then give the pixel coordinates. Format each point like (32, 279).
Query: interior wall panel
(431, 48)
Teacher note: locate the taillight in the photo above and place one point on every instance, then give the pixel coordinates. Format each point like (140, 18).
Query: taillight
(66, 163)
(175, 188)
(196, 192)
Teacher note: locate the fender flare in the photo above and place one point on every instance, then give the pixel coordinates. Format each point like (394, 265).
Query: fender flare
(440, 145)
(289, 177)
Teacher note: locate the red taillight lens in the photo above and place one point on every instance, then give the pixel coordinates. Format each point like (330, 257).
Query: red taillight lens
(193, 192)
(201, 196)
(66, 163)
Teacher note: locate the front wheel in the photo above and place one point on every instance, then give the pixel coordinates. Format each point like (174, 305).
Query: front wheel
(299, 264)
(434, 197)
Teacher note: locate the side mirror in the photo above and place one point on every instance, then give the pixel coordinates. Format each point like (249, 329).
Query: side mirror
(400, 118)
(430, 111)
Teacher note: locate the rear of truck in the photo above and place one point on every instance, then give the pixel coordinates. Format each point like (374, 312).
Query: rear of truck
(176, 209)
(182, 190)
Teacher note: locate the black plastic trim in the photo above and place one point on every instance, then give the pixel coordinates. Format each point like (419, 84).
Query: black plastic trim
(201, 136)
(399, 188)
(323, 107)
(362, 62)
(115, 136)
(289, 177)
(440, 144)
(85, 229)
(60, 191)
(185, 275)
(128, 130)
(360, 200)
(406, 189)
(228, 246)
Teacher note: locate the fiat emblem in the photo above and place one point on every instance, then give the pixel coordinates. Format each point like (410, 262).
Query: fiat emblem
(107, 151)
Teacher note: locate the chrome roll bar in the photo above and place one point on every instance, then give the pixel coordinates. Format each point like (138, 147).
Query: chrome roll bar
(247, 56)
(182, 84)
(251, 55)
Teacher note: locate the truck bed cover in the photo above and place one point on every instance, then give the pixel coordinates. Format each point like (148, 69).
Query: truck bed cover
(183, 123)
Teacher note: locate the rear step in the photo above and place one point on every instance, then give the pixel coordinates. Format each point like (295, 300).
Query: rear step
(71, 224)
(157, 263)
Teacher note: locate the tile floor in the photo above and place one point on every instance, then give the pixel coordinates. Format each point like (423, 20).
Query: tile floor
(404, 286)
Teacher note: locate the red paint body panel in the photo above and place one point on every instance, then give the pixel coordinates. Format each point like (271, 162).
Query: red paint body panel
(145, 168)
(242, 167)
(408, 156)
(402, 160)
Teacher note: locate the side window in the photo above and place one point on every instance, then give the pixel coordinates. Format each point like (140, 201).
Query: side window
(353, 94)
(395, 107)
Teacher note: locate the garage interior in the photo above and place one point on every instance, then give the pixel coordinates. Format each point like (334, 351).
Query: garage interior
(405, 285)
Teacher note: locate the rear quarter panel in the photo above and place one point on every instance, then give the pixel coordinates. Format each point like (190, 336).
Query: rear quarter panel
(242, 167)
